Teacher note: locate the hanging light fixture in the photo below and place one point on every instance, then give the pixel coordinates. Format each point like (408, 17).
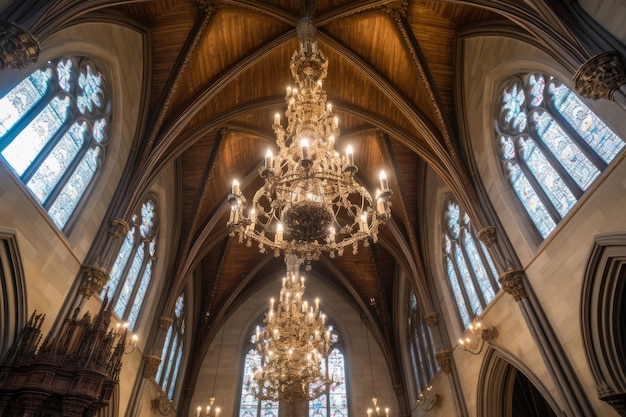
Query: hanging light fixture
(311, 202)
(210, 410)
(293, 342)
(375, 410)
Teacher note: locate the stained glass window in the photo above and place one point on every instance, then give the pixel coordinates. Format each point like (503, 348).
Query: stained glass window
(53, 131)
(133, 268)
(552, 146)
(335, 403)
(469, 268)
(249, 405)
(421, 346)
(172, 355)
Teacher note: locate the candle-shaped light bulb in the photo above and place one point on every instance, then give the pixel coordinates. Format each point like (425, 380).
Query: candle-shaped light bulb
(386, 411)
(134, 340)
(295, 91)
(349, 155)
(269, 159)
(235, 187)
(369, 412)
(329, 107)
(331, 231)
(198, 411)
(217, 412)
(279, 233)
(304, 144)
(335, 122)
(208, 410)
(272, 303)
(461, 342)
(277, 119)
(384, 185)
(363, 223)
(331, 139)
(252, 216)
(380, 206)
(317, 303)
(288, 91)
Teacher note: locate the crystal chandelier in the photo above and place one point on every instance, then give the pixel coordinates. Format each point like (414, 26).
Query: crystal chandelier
(293, 343)
(310, 202)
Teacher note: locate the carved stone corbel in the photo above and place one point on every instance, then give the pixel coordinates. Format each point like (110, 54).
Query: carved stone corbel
(118, 228)
(18, 47)
(93, 281)
(150, 365)
(600, 76)
(487, 235)
(444, 360)
(513, 283)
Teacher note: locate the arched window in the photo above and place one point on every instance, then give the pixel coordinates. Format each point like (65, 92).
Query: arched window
(470, 270)
(132, 271)
(53, 131)
(335, 403)
(172, 350)
(552, 146)
(421, 346)
(249, 405)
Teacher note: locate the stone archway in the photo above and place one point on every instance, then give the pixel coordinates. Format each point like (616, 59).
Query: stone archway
(603, 307)
(507, 389)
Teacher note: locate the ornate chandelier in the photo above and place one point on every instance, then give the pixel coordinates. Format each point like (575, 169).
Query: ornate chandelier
(292, 343)
(311, 202)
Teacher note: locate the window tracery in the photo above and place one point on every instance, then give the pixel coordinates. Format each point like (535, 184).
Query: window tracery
(552, 146)
(421, 346)
(172, 354)
(54, 130)
(469, 268)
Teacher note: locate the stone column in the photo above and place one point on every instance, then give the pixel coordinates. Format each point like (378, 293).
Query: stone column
(444, 360)
(574, 400)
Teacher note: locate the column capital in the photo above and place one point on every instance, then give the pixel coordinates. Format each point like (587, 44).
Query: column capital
(487, 235)
(165, 322)
(18, 47)
(150, 365)
(600, 76)
(444, 360)
(118, 228)
(432, 319)
(94, 279)
(512, 282)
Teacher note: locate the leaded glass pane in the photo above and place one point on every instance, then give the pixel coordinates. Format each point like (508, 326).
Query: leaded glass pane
(513, 110)
(179, 357)
(338, 393)
(589, 126)
(129, 283)
(461, 264)
(91, 88)
(458, 294)
(166, 350)
(577, 165)
(170, 363)
(492, 267)
(57, 162)
(23, 150)
(269, 409)
(482, 275)
(147, 217)
(120, 263)
(22, 98)
(179, 306)
(141, 293)
(318, 407)
(64, 72)
(531, 201)
(249, 404)
(554, 187)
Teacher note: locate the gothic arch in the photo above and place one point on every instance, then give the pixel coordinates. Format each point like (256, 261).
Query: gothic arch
(602, 307)
(499, 383)
(12, 291)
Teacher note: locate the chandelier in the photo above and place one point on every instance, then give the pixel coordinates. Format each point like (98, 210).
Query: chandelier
(292, 344)
(311, 202)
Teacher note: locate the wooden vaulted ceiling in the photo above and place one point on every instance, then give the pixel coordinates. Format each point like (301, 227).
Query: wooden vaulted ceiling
(218, 75)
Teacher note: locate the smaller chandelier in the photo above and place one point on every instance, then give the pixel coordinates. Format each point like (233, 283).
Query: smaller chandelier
(311, 202)
(293, 343)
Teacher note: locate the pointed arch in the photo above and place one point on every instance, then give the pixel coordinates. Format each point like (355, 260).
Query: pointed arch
(602, 310)
(13, 307)
(502, 380)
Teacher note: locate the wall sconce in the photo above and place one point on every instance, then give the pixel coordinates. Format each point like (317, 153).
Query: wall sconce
(478, 335)
(427, 399)
(130, 345)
